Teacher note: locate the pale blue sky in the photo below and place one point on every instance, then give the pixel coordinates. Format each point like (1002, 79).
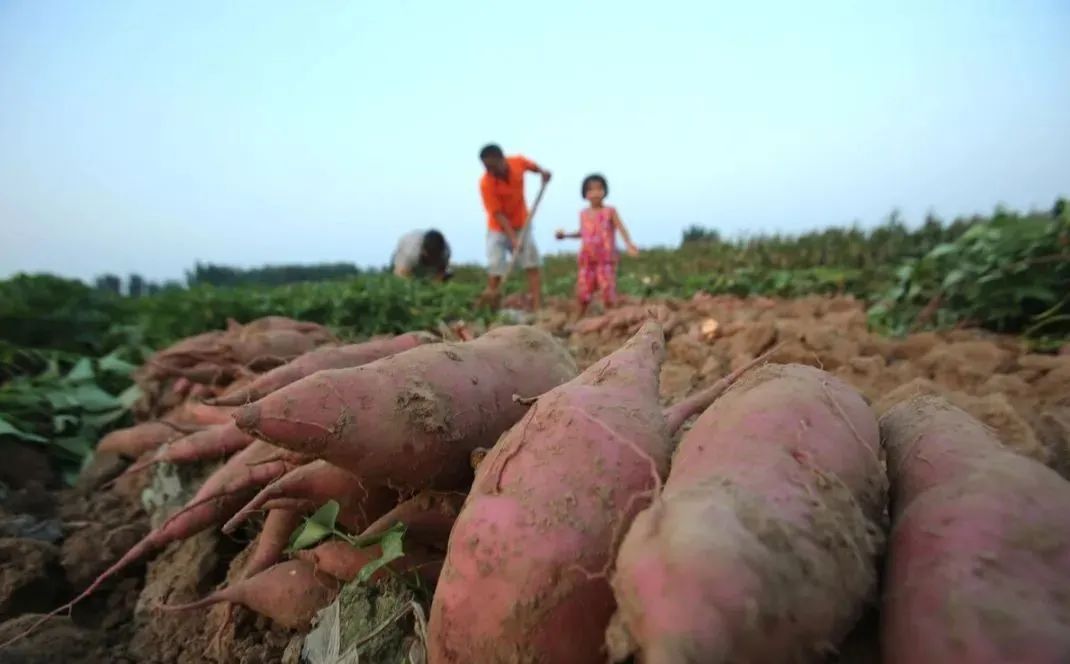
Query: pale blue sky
(141, 136)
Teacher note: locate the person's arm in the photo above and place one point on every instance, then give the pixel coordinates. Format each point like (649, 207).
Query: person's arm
(632, 249)
(562, 235)
(531, 166)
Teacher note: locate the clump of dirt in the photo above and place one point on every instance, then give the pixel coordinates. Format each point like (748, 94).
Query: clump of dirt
(120, 622)
(25, 465)
(185, 572)
(380, 623)
(29, 576)
(58, 640)
(1023, 396)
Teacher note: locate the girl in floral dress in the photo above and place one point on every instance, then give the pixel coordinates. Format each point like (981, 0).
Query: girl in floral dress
(598, 255)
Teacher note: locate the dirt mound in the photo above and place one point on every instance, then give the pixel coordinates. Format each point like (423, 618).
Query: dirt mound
(29, 576)
(1023, 396)
(58, 640)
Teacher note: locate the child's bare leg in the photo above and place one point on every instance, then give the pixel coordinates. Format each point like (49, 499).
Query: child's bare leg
(607, 278)
(585, 282)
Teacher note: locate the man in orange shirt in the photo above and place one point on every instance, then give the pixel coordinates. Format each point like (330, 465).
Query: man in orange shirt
(502, 188)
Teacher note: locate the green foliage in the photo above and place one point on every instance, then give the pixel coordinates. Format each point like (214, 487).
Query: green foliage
(315, 528)
(370, 304)
(323, 524)
(67, 407)
(1009, 274)
(47, 312)
(849, 247)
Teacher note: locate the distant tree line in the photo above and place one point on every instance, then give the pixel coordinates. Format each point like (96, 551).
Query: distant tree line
(211, 274)
(268, 275)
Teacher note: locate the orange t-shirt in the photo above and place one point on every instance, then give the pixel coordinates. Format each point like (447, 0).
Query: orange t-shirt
(507, 196)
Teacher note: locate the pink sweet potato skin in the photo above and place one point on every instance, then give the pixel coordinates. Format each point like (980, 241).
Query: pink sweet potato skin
(272, 541)
(132, 442)
(979, 556)
(317, 482)
(219, 440)
(428, 517)
(763, 545)
(290, 593)
(344, 561)
(327, 357)
(413, 418)
(525, 577)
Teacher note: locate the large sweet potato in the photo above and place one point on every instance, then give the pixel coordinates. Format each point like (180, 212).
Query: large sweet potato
(979, 555)
(763, 545)
(326, 357)
(525, 573)
(412, 419)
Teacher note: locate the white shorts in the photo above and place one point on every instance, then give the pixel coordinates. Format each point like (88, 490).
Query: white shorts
(500, 251)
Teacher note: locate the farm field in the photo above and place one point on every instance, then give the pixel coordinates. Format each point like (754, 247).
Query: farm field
(976, 311)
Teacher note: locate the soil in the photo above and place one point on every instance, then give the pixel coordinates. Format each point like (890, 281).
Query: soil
(60, 539)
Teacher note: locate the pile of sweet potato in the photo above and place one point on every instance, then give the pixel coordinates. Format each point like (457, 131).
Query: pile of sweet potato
(205, 365)
(559, 516)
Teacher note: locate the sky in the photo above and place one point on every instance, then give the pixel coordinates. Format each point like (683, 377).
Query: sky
(140, 137)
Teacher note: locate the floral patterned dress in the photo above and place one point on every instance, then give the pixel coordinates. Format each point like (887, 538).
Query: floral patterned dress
(598, 255)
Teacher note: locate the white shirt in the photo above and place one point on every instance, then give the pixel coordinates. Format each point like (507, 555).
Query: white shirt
(407, 254)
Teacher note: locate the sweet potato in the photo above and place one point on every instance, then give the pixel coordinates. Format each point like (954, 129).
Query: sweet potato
(199, 414)
(327, 357)
(290, 593)
(272, 541)
(188, 417)
(211, 373)
(134, 441)
(978, 565)
(531, 549)
(213, 442)
(525, 571)
(343, 561)
(428, 517)
(763, 545)
(274, 323)
(314, 484)
(246, 470)
(413, 418)
(265, 350)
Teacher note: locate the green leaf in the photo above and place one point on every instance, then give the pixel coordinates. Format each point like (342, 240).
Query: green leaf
(70, 476)
(101, 420)
(81, 371)
(391, 546)
(60, 422)
(112, 363)
(8, 429)
(90, 397)
(316, 527)
(953, 277)
(942, 250)
(130, 396)
(76, 446)
(1044, 295)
